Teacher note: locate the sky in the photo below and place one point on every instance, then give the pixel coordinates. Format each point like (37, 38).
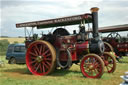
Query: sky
(112, 12)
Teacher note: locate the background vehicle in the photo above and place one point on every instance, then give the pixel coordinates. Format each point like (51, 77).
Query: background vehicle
(16, 53)
(60, 49)
(118, 43)
(114, 41)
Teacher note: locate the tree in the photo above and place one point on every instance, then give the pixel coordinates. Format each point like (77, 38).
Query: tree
(4, 45)
(15, 42)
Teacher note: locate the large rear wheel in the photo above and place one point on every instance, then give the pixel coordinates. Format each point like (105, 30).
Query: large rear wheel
(41, 58)
(92, 66)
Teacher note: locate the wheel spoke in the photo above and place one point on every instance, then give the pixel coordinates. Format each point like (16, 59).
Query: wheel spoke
(89, 71)
(45, 65)
(110, 62)
(48, 63)
(37, 49)
(88, 61)
(33, 53)
(32, 62)
(111, 36)
(37, 67)
(96, 65)
(94, 62)
(92, 72)
(43, 68)
(107, 68)
(95, 71)
(103, 57)
(48, 55)
(40, 67)
(87, 64)
(43, 48)
(33, 57)
(40, 52)
(91, 60)
(46, 52)
(48, 59)
(35, 64)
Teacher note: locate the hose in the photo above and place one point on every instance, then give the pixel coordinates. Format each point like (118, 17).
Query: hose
(69, 61)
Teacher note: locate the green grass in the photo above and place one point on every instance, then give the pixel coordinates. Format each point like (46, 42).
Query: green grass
(19, 75)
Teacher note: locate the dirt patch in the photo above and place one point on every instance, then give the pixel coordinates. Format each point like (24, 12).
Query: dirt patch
(24, 74)
(21, 76)
(20, 73)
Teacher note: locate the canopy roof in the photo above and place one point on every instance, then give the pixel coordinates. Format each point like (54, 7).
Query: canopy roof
(71, 20)
(115, 28)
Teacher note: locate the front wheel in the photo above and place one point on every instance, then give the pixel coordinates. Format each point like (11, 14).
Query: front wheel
(92, 66)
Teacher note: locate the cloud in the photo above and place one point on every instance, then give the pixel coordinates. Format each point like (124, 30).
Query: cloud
(111, 12)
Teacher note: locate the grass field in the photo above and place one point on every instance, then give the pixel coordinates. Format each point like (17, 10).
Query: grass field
(19, 75)
(12, 40)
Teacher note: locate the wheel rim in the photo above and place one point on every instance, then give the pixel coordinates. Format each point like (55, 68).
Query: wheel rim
(108, 47)
(114, 35)
(92, 66)
(109, 61)
(40, 58)
(13, 61)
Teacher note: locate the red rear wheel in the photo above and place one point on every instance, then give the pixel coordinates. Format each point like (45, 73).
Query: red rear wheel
(92, 66)
(41, 58)
(109, 61)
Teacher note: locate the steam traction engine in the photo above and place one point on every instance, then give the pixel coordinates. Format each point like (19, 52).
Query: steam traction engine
(118, 43)
(61, 49)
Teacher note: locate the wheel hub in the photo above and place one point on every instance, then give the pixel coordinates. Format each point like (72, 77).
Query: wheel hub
(91, 67)
(39, 58)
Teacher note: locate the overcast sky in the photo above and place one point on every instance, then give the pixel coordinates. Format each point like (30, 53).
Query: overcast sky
(112, 12)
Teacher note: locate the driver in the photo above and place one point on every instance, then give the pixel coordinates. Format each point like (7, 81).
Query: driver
(82, 32)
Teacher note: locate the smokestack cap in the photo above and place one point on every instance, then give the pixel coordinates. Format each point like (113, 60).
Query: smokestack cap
(94, 9)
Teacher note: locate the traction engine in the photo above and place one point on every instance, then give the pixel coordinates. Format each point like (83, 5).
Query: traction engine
(60, 49)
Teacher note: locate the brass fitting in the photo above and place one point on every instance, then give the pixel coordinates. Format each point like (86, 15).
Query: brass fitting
(94, 9)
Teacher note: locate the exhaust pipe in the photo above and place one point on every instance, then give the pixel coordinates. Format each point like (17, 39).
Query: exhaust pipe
(94, 11)
(96, 44)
